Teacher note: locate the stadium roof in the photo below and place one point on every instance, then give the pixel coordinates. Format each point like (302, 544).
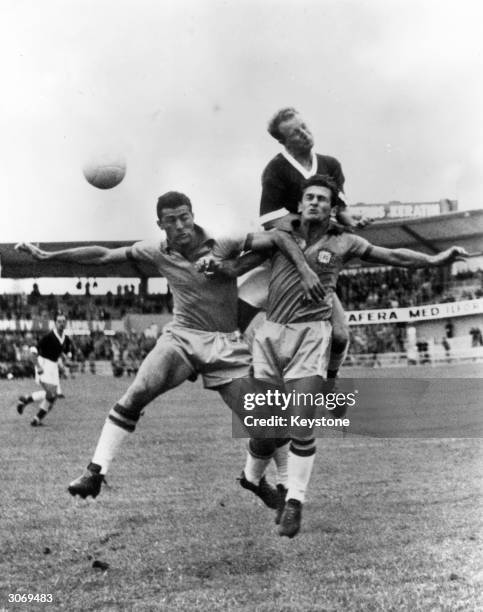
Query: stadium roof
(428, 234)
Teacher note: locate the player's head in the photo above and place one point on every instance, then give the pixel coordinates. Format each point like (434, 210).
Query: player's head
(60, 321)
(175, 217)
(288, 127)
(318, 195)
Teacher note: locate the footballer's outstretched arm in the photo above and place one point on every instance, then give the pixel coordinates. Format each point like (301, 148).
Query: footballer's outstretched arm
(95, 255)
(408, 258)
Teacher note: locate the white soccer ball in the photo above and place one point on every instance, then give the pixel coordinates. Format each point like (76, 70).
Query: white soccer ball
(105, 172)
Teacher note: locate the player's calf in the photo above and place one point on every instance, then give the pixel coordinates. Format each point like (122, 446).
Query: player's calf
(331, 385)
(338, 349)
(23, 400)
(338, 353)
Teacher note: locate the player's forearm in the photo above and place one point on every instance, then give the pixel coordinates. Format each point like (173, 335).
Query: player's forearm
(232, 268)
(408, 258)
(287, 245)
(311, 283)
(82, 255)
(247, 262)
(414, 259)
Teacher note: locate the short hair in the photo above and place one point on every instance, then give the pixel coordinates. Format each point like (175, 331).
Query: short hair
(282, 115)
(172, 199)
(323, 180)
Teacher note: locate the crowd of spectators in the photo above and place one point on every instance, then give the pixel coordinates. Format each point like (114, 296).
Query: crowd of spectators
(362, 290)
(84, 307)
(401, 287)
(374, 288)
(125, 351)
(384, 338)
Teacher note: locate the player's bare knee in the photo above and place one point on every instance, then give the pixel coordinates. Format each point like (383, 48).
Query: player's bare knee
(261, 448)
(50, 396)
(340, 338)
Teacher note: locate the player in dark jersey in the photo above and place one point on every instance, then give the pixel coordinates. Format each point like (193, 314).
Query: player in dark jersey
(284, 175)
(51, 347)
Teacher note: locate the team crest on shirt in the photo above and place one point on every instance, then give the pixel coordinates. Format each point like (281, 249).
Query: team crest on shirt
(324, 257)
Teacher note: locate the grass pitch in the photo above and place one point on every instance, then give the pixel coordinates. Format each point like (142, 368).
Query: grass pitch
(389, 525)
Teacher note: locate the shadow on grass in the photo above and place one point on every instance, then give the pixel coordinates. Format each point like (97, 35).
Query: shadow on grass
(249, 561)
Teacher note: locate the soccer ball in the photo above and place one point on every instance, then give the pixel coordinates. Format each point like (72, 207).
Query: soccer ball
(105, 173)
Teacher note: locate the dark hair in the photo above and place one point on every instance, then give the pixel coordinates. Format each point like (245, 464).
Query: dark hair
(323, 180)
(172, 199)
(282, 115)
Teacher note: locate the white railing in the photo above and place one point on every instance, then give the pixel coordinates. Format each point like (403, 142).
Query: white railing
(435, 357)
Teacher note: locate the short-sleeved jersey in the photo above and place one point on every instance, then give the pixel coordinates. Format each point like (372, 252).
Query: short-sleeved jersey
(327, 256)
(52, 346)
(207, 304)
(282, 182)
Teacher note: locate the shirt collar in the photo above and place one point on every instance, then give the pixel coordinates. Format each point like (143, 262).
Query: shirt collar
(60, 338)
(305, 173)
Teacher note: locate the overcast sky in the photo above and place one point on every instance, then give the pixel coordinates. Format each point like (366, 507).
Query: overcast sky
(183, 90)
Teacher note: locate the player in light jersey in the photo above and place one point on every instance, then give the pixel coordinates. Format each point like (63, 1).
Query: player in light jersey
(282, 180)
(202, 338)
(54, 345)
(291, 348)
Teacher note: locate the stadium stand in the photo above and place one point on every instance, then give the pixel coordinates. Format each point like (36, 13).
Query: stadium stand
(397, 316)
(399, 287)
(111, 328)
(359, 289)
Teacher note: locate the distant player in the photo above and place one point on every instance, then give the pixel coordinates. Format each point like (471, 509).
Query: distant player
(202, 338)
(52, 347)
(291, 347)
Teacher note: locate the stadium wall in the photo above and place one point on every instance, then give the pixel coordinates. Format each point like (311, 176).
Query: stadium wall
(141, 322)
(436, 330)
